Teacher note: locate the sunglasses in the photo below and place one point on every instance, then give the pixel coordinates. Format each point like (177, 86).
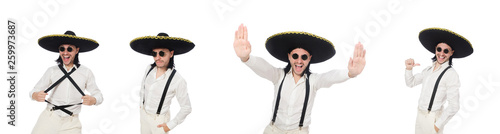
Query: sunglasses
(69, 49)
(161, 53)
(446, 51)
(296, 56)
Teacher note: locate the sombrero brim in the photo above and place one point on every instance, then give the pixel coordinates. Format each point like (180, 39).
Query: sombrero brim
(430, 37)
(279, 45)
(145, 45)
(52, 42)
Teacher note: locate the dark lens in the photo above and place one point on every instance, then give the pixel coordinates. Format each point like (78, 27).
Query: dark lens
(69, 49)
(61, 49)
(304, 57)
(161, 53)
(446, 51)
(153, 54)
(295, 56)
(438, 49)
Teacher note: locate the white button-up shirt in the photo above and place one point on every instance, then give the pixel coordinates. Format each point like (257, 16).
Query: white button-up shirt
(293, 94)
(152, 90)
(447, 90)
(66, 93)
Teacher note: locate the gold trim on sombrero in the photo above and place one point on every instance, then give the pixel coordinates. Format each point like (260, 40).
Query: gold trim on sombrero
(300, 32)
(446, 30)
(69, 36)
(161, 37)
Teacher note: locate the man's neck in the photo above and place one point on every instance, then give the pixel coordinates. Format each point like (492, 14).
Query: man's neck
(296, 77)
(69, 66)
(160, 71)
(437, 65)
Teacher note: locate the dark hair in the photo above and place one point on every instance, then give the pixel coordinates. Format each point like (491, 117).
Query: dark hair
(75, 61)
(306, 71)
(434, 59)
(171, 64)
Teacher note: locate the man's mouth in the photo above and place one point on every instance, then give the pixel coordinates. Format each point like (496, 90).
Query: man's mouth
(66, 57)
(441, 57)
(298, 66)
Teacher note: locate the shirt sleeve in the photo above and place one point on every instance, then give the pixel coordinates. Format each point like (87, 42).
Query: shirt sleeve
(43, 83)
(452, 96)
(265, 70)
(413, 80)
(183, 99)
(91, 86)
(325, 80)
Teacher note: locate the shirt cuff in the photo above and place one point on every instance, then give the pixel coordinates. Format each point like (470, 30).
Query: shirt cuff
(98, 100)
(31, 95)
(346, 72)
(171, 125)
(250, 61)
(409, 73)
(438, 125)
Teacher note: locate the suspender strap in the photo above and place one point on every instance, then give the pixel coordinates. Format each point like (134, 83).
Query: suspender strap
(306, 100)
(165, 91)
(152, 66)
(66, 75)
(71, 80)
(62, 108)
(304, 107)
(144, 81)
(435, 88)
(278, 100)
(60, 79)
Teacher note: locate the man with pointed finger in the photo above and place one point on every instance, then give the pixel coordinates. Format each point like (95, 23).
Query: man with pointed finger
(68, 81)
(161, 83)
(440, 82)
(295, 87)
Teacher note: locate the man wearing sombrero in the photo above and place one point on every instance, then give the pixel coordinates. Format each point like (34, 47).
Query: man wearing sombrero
(440, 81)
(295, 86)
(67, 81)
(161, 83)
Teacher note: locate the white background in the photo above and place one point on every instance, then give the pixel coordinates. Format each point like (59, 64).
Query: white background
(226, 96)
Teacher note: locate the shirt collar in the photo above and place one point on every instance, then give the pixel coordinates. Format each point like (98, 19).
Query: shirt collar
(444, 65)
(164, 74)
(66, 69)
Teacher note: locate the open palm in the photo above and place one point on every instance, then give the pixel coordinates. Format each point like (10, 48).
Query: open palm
(241, 45)
(357, 62)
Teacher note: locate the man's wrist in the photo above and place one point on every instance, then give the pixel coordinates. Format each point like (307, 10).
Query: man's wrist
(245, 59)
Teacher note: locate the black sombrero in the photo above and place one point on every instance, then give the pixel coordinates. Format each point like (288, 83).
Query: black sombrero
(430, 37)
(52, 42)
(280, 44)
(145, 45)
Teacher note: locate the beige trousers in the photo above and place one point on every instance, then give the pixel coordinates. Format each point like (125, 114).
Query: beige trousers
(272, 129)
(425, 122)
(149, 122)
(51, 123)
